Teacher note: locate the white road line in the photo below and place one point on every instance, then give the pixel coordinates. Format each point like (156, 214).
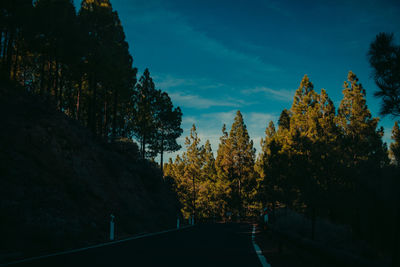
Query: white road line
(94, 246)
(261, 257)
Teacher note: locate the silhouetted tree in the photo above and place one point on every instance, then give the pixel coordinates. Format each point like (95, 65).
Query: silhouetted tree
(144, 112)
(167, 126)
(384, 57)
(395, 146)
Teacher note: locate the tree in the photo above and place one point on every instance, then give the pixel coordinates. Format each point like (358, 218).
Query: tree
(241, 166)
(144, 111)
(223, 161)
(193, 164)
(362, 139)
(56, 24)
(284, 120)
(208, 171)
(269, 134)
(384, 57)
(223, 166)
(208, 198)
(395, 146)
(14, 20)
(265, 173)
(363, 152)
(167, 126)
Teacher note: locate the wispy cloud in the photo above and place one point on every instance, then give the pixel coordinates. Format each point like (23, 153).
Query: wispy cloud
(168, 81)
(258, 120)
(282, 95)
(199, 102)
(188, 45)
(220, 118)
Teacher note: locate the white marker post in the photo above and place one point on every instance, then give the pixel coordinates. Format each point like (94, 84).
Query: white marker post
(177, 223)
(112, 227)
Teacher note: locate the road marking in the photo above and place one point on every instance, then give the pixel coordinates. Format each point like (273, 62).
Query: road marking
(258, 250)
(94, 246)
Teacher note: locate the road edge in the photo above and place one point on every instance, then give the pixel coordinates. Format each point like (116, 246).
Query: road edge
(259, 253)
(94, 246)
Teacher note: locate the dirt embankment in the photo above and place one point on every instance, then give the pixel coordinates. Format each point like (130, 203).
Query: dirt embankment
(59, 184)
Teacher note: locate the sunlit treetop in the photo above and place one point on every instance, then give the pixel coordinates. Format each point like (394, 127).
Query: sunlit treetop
(90, 4)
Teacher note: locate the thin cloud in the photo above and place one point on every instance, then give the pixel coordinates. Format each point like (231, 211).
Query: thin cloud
(179, 31)
(168, 81)
(281, 95)
(199, 102)
(259, 119)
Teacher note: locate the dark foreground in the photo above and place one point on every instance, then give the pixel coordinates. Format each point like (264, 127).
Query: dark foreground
(202, 245)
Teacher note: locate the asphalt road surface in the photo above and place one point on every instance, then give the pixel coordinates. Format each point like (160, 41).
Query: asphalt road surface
(201, 245)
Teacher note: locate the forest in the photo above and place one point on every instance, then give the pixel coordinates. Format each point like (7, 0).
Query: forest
(80, 63)
(319, 160)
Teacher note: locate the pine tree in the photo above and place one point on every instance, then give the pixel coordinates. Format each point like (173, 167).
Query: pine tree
(310, 113)
(284, 120)
(224, 174)
(208, 171)
(304, 101)
(207, 197)
(182, 184)
(223, 160)
(144, 111)
(363, 152)
(242, 154)
(193, 164)
(362, 140)
(167, 121)
(270, 132)
(395, 146)
(384, 57)
(327, 152)
(263, 166)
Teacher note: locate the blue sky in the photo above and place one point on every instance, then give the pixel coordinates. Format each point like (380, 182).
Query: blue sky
(215, 57)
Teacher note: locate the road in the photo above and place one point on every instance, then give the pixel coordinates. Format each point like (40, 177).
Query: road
(201, 245)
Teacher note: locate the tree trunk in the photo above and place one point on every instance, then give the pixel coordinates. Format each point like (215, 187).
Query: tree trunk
(240, 196)
(61, 81)
(105, 118)
(194, 198)
(9, 53)
(78, 99)
(50, 79)
(93, 115)
(114, 122)
(313, 219)
(55, 85)
(41, 89)
(162, 154)
(15, 66)
(24, 76)
(4, 46)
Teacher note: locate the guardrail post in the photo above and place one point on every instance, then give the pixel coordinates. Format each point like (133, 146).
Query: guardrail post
(112, 227)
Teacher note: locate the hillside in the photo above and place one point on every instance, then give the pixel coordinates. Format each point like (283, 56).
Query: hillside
(59, 184)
